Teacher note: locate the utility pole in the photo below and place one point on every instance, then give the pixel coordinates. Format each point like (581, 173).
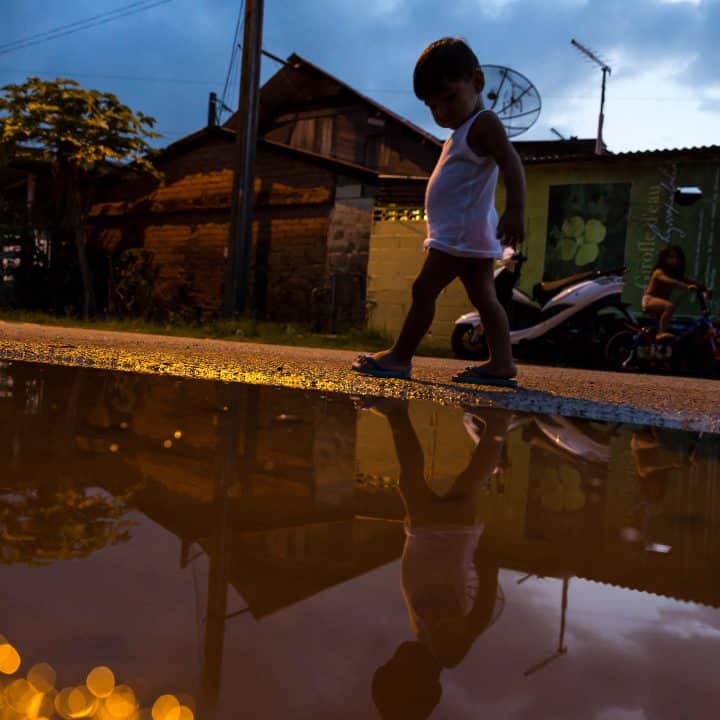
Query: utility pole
(240, 239)
(606, 70)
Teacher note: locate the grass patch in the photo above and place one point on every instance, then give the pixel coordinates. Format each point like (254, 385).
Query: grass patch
(242, 330)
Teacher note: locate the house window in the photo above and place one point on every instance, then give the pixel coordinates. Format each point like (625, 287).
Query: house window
(303, 135)
(378, 154)
(325, 135)
(384, 156)
(314, 134)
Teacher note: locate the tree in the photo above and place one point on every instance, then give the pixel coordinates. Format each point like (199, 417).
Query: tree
(80, 132)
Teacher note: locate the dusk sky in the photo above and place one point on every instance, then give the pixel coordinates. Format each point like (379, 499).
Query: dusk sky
(664, 90)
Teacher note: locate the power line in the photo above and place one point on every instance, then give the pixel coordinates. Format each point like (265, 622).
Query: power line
(91, 22)
(234, 57)
(73, 24)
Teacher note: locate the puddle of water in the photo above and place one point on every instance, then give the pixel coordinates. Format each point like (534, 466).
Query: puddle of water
(233, 550)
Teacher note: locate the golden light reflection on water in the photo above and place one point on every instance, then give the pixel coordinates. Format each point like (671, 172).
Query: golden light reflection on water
(9, 658)
(42, 677)
(36, 697)
(166, 707)
(101, 682)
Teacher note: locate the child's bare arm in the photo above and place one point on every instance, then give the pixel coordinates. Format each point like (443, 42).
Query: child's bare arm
(488, 137)
(692, 283)
(679, 284)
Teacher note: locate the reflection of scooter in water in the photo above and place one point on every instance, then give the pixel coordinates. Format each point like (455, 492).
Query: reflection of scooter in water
(450, 583)
(582, 440)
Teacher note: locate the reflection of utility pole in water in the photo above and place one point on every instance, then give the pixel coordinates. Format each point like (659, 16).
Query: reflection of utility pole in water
(229, 397)
(562, 647)
(218, 550)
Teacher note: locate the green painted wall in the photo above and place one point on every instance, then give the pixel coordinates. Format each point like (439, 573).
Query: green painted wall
(396, 247)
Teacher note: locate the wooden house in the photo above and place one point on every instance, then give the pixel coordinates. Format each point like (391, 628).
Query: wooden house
(322, 148)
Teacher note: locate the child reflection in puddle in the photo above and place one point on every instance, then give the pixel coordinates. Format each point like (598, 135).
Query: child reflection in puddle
(655, 465)
(449, 582)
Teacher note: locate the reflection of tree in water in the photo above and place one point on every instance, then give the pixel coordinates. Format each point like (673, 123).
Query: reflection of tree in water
(50, 509)
(38, 527)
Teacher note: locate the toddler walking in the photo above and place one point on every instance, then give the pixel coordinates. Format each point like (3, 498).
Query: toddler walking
(463, 229)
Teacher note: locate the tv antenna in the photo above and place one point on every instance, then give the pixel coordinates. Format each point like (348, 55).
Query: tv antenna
(512, 97)
(606, 70)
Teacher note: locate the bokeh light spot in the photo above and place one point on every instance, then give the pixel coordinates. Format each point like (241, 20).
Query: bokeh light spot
(167, 444)
(121, 704)
(81, 703)
(9, 658)
(22, 698)
(630, 535)
(187, 700)
(166, 707)
(100, 681)
(177, 434)
(42, 677)
(114, 448)
(61, 702)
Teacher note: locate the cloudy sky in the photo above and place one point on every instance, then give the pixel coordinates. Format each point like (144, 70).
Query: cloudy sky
(664, 90)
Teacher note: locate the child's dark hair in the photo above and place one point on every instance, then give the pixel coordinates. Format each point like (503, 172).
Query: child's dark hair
(678, 272)
(443, 61)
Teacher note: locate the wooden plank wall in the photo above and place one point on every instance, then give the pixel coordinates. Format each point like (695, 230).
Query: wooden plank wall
(390, 148)
(184, 222)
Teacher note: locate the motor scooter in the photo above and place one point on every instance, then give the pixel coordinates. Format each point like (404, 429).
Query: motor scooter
(568, 320)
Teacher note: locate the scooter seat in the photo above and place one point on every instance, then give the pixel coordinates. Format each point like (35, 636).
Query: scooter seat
(545, 290)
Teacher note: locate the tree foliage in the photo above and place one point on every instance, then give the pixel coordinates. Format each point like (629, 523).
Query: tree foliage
(70, 125)
(80, 133)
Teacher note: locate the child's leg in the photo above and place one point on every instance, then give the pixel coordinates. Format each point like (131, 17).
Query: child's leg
(477, 277)
(437, 273)
(664, 309)
(487, 454)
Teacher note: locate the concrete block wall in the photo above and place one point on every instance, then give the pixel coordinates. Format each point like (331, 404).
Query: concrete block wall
(395, 259)
(348, 245)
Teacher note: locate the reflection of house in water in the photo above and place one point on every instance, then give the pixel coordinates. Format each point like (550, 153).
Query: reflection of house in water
(304, 477)
(283, 467)
(552, 513)
(307, 482)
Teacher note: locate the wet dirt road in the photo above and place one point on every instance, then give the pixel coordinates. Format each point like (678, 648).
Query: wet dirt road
(643, 399)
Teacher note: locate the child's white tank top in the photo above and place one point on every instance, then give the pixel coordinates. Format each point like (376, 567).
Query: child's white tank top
(460, 200)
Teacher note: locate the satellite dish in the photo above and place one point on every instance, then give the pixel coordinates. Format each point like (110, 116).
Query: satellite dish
(512, 97)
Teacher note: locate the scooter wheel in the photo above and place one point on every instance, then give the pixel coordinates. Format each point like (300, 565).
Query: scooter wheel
(467, 346)
(619, 351)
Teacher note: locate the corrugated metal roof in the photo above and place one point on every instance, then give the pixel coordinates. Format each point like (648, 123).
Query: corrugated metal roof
(693, 150)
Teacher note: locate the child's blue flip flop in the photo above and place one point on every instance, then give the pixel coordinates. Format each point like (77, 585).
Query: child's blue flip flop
(368, 365)
(477, 375)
